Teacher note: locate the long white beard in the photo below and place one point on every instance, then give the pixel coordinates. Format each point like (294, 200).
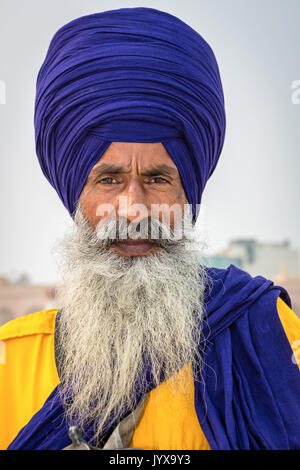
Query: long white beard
(117, 311)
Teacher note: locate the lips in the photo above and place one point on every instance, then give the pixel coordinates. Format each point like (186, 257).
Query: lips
(134, 247)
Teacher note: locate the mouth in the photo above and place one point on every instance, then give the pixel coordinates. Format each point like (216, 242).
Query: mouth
(134, 247)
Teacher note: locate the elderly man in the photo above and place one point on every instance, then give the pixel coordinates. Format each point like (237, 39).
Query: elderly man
(148, 348)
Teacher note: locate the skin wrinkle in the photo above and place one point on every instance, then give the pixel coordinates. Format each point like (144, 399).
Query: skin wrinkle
(119, 309)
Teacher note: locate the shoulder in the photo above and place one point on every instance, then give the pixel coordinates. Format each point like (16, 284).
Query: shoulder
(27, 370)
(35, 323)
(287, 314)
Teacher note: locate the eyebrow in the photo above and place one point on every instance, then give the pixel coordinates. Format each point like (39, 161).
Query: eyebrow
(155, 170)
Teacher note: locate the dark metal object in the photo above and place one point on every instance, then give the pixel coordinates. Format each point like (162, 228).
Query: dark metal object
(78, 443)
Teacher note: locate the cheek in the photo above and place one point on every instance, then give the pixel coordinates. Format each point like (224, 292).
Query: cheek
(175, 200)
(95, 207)
(89, 206)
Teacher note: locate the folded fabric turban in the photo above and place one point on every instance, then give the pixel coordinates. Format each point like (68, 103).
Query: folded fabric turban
(128, 75)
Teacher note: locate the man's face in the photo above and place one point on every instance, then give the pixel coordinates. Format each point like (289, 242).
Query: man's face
(143, 173)
(121, 309)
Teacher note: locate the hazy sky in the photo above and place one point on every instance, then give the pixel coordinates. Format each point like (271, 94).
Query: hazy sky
(254, 191)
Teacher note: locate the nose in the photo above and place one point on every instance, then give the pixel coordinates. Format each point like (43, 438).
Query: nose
(132, 203)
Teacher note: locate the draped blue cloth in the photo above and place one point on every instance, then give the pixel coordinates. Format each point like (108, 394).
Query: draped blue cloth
(247, 390)
(128, 75)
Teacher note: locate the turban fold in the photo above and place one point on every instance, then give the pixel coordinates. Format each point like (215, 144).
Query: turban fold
(128, 75)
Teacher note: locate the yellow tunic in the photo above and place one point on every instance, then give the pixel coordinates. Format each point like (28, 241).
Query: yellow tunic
(28, 375)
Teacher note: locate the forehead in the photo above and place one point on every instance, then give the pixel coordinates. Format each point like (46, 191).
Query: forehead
(132, 153)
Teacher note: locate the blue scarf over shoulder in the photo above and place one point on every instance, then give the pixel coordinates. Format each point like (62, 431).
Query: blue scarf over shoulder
(247, 393)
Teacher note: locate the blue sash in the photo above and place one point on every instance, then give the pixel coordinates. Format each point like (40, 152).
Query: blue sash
(246, 392)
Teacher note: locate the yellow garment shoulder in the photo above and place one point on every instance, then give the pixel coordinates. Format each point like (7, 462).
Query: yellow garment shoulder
(34, 323)
(27, 370)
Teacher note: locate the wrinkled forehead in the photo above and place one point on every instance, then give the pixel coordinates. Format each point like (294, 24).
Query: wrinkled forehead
(128, 157)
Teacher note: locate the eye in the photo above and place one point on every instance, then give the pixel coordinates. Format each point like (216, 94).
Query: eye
(104, 180)
(162, 180)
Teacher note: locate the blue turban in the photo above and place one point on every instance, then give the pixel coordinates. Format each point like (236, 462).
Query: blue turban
(128, 75)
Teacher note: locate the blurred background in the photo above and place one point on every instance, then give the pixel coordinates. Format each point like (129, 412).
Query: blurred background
(250, 209)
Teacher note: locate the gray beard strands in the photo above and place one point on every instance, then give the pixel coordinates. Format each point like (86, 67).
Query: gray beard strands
(117, 311)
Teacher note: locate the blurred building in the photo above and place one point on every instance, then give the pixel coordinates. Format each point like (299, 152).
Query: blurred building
(20, 298)
(276, 261)
(259, 259)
